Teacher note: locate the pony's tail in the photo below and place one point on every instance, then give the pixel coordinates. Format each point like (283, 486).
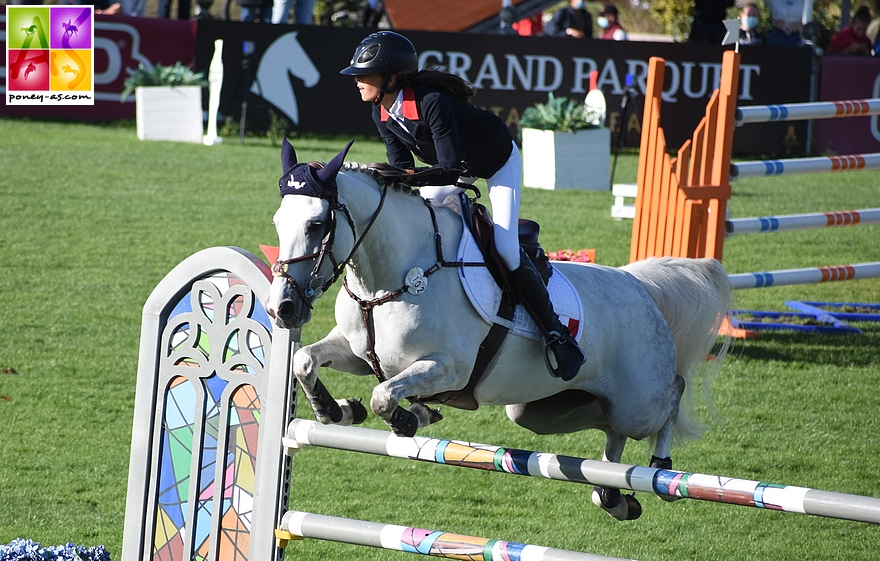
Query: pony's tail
(694, 296)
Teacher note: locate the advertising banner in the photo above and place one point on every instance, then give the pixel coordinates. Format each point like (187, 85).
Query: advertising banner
(846, 78)
(294, 72)
(291, 74)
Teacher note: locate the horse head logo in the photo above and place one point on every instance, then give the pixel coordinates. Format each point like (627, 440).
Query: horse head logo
(285, 54)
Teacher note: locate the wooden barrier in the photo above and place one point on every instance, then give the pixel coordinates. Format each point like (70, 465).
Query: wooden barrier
(681, 204)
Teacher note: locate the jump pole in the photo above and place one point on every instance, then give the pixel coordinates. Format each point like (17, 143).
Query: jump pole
(793, 166)
(805, 276)
(811, 221)
(805, 111)
(664, 483)
(432, 543)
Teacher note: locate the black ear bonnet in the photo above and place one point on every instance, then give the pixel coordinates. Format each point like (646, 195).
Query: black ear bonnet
(308, 179)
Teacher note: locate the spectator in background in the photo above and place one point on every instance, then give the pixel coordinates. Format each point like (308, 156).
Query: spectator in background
(106, 7)
(183, 9)
(787, 16)
(853, 39)
(372, 14)
(256, 11)
(302, 12)
(708, 24)
(611, 28)
(531, 26)
(571, 21)
(748, 25)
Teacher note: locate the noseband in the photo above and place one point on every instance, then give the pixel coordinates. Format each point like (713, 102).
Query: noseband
(317, 283)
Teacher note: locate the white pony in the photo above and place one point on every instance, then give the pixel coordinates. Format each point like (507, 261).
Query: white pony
(646, 327)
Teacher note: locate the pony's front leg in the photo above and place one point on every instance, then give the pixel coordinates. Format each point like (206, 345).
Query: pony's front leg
(427, 376)
(332, 350)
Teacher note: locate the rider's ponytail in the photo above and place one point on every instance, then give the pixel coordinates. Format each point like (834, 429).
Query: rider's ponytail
(450, 83)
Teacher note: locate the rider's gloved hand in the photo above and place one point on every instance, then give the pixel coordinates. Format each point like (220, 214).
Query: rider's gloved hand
(434, 175)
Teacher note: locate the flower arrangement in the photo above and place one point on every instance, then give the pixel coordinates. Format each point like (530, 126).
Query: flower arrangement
(580, 256)
(159, 75)
(559, 114)
(26, 550)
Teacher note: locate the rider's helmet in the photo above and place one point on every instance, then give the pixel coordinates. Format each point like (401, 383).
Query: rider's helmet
(384, 52)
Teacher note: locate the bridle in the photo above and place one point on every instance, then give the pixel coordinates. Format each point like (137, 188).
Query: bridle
(318, 284)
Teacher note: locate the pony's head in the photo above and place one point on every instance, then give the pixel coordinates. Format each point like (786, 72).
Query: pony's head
(309, 259)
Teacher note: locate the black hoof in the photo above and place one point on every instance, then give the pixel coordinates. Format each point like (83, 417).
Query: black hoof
(609, 496)
(358, 411)
(403, 423)
(436, 417)
(634, 508)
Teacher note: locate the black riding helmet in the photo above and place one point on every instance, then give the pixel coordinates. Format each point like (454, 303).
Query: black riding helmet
(383, 52)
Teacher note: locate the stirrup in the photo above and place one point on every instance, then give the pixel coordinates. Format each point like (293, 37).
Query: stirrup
(556, 364)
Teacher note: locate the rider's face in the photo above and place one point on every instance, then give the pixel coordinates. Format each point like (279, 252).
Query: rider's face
(369, 85)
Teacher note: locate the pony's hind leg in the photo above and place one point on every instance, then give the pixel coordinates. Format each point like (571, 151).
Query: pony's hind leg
(610, 499)
(572, 411)
(662, 457)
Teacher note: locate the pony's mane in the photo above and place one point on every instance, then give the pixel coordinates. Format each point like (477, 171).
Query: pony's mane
(375, 176)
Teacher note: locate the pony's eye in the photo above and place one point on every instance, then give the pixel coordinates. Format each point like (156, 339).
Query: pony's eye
(313, 226)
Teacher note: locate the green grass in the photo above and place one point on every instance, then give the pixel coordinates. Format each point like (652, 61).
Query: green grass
(91, 219)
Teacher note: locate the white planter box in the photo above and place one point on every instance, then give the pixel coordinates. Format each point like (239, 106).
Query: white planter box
(567, 160)
(166, 113)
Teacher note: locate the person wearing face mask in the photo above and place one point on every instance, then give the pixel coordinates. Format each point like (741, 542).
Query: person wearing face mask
(571, 21)
(748, 26)
(608, 21)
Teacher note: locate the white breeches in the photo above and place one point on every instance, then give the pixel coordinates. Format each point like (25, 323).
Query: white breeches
(504, 192)
(505, 189)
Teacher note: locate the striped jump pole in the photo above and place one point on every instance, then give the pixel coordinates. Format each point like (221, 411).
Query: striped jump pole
(812, 221)
(805, 111)
(656, 481)
(423, 542)
(812, 275)
(793, 166)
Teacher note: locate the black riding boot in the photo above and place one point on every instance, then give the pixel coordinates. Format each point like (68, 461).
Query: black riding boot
(533, 295)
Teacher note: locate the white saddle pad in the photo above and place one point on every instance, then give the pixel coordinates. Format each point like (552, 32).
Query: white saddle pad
(485, 295)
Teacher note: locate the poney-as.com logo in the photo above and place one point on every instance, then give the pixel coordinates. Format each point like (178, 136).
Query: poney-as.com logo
(50, 55)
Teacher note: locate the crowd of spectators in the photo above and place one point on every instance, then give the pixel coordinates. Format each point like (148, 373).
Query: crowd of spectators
(861, 36)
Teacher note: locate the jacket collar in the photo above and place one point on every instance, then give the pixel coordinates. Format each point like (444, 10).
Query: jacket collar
(408, 105)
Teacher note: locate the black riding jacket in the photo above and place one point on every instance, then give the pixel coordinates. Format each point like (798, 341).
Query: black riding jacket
(447, 131)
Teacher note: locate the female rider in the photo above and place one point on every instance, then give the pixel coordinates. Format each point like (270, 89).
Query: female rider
(428, 113)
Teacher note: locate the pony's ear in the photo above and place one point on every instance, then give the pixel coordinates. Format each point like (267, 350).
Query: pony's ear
(328, 172)
(288, 155)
